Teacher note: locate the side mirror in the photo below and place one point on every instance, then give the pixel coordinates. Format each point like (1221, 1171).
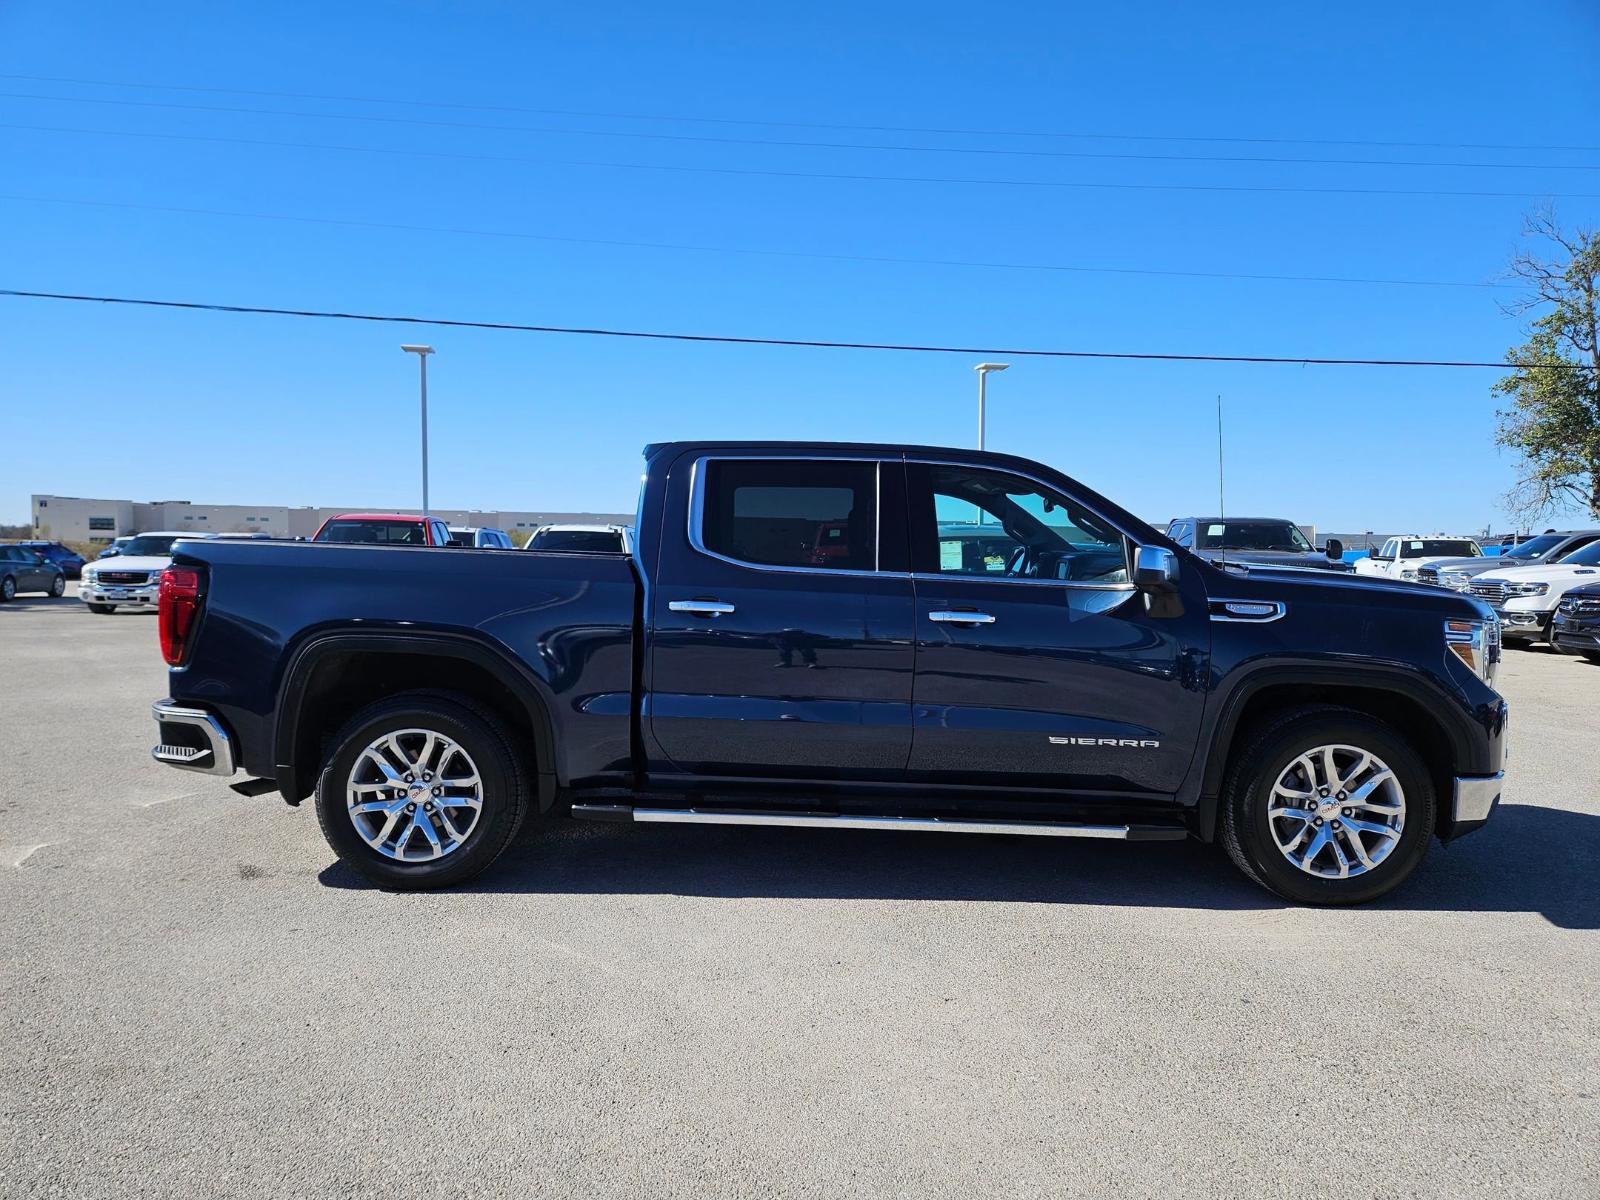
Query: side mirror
(1335, 548)
(1155, 569)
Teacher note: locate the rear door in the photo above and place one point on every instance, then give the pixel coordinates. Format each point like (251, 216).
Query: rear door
(1038, 663)
(780, 628)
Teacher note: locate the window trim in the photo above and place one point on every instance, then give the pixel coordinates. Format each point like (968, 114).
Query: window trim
(697, 503)
(941, 577)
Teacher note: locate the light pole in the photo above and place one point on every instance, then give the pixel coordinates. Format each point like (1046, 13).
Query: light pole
(983, 370)
(422, 353)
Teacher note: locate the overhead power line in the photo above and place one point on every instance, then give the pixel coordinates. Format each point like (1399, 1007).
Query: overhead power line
(769, 124)
(802, 343)
(745, 250)
(993, 151)
(857, 177)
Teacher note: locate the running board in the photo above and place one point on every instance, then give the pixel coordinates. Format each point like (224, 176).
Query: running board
(802, 820)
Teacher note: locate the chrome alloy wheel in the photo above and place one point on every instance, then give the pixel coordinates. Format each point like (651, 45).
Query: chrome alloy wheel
(414, 795)
(1337, 811)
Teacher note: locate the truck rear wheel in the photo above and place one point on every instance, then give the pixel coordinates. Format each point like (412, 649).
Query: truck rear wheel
(421, 790)
(1327, 806)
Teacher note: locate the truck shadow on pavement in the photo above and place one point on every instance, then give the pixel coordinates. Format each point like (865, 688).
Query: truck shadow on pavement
(1528, 859)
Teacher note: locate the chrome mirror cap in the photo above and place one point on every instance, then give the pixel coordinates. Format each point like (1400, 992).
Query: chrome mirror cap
(1155, 569)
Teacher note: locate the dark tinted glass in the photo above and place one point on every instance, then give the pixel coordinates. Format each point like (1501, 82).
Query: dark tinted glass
(389, 533)
(792, 514)
(973, 521)
(578, 541)
(154, 547)
(1252, 535)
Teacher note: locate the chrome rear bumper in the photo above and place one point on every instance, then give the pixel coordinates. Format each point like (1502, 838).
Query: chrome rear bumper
(191, 739)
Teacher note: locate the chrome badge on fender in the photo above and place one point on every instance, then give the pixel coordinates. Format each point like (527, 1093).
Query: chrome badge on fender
(1121, 743)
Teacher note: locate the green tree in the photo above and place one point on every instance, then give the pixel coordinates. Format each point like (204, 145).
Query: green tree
(1553, 419)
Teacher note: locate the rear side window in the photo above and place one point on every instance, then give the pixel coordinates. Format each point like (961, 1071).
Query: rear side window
(791, 513)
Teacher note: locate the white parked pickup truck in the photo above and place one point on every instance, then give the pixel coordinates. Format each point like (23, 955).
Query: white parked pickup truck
(129, 579)
(1402, 557)
(1526, 597)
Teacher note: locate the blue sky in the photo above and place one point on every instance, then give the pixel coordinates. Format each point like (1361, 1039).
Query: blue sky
(144, 404)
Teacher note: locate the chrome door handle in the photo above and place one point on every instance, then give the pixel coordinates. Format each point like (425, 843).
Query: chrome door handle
(962, 618)
(701, 608)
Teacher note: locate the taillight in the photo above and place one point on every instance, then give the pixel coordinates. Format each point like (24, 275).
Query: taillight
(179, 606)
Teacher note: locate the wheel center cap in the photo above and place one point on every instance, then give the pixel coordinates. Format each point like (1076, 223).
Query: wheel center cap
(417, 790)
(1328, 810)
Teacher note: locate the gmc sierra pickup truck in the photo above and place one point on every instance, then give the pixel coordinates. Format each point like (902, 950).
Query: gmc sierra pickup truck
(843, 637)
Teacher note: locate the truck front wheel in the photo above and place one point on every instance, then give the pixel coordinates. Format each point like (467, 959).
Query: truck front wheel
(1327, 806)
(421, 790)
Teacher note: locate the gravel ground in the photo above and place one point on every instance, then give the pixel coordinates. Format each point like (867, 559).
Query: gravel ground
(198, 1000)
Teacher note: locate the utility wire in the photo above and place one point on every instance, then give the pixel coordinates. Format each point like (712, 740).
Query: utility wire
(790, 144)
(727, 340)
(829, 175)
(744, 250)
(742, 121)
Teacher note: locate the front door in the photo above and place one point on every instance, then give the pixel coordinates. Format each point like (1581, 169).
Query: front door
(1038, 664)
(780, 640)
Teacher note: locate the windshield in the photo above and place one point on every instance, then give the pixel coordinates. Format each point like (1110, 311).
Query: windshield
(151, 545)
(1439, 548)
(582, 541)
(1534, 547)
(1589, 556)
(389, 533)
(1251, 535)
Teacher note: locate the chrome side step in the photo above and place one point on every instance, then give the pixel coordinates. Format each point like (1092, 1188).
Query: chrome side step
(804, 820)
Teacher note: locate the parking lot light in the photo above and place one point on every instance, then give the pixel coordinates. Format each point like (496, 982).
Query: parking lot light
(422, 353)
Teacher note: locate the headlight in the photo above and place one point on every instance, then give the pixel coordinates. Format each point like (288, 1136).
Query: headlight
(1528, 589)
(1476, 643)
(89, 574)
(1408, 573)
(1458, 581)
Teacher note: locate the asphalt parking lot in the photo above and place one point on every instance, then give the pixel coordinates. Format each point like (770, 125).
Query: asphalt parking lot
(199, 1001)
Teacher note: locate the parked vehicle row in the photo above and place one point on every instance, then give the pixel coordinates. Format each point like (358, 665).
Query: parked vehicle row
(843, 637)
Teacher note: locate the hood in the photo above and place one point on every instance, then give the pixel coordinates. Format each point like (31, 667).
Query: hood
(1546, 573)
(127, 562)
(1276, 558)
(1475, 564)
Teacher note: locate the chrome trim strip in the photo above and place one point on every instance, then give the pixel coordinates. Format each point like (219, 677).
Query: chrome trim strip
(692, 816)
(219, 749)
(697, 486)
(961, 618)
(1278, 610)
(1476, 796)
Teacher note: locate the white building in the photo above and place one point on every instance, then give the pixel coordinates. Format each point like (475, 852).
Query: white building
(76, 519)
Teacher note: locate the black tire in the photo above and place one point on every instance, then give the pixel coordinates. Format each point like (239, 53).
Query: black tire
(58, 589)
(8, 589)
(507, 793)
(102, 609)
(1246, 831)
(1592, 655)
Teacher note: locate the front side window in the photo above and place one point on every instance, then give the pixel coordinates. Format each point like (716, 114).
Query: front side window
(1534, 547)
(1589, 556)
(998, 526)
(1575, 547)
(791, 513)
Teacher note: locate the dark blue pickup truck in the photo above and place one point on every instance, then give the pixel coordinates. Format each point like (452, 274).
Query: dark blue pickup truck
(841, 636)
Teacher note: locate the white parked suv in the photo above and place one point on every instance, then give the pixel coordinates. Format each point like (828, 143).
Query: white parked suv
(1526, 597)
(1402, 557)
(129, 579)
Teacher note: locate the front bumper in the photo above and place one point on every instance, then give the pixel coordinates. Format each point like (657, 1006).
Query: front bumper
(1575, 635)
(191, 739)
(1522, 622)
(140, 594)
(1474, 801)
